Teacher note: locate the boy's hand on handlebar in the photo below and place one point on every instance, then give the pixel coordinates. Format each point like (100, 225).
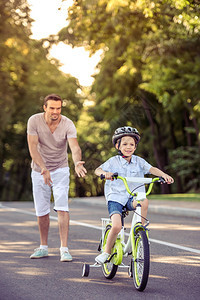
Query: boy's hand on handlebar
(168, 179)
(108, 176)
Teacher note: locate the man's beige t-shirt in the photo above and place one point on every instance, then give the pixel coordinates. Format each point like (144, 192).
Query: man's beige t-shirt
(51, 146)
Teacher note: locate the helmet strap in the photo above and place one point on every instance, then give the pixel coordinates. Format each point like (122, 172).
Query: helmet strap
(121, 154)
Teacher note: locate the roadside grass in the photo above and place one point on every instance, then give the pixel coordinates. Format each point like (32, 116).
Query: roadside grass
(176, 197)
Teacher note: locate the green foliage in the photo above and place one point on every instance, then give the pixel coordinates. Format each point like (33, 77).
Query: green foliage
(149, 74)
(148, 78)
(186, 162)
(195, 197)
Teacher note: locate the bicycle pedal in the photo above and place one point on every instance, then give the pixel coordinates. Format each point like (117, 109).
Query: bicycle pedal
(110, 257)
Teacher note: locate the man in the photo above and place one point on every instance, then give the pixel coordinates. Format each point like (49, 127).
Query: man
(48, 135)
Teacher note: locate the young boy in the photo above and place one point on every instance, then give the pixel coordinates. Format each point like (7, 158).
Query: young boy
(125, 140)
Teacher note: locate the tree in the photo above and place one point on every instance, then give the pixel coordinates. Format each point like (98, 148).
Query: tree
(150, 65)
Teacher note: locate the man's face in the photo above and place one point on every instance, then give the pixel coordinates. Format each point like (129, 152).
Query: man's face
(53, 110)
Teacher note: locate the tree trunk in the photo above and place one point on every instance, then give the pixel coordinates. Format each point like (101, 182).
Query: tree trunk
(175, 145)
(187, 124)
(195, 123)
(159, 152)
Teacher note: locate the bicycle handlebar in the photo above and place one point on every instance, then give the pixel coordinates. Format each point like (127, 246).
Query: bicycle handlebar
(115, 175)
(149, 181)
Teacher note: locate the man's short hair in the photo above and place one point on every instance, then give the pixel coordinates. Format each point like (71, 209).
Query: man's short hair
(52, 97)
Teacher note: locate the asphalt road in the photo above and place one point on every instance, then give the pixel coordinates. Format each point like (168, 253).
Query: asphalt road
(175, 258)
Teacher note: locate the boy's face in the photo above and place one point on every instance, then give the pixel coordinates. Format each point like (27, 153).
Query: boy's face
(127, 146)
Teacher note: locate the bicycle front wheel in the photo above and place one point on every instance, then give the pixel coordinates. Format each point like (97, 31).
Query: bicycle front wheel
(141, 260)
(109, 269)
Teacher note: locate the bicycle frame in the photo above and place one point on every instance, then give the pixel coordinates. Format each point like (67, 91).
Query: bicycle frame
(136, 216)
(137, 239)
(135, 220)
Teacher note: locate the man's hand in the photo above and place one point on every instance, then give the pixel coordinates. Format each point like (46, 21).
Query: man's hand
(79, 168)
(46, 176)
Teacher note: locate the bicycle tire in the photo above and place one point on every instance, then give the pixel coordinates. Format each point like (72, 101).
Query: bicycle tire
(141, 261)
(109, 269)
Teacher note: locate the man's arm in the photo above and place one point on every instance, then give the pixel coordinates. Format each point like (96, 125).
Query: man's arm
(36, 157)
(77, 156)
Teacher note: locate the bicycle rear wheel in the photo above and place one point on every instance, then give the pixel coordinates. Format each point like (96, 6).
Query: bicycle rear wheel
(141, 260)
(109, 269)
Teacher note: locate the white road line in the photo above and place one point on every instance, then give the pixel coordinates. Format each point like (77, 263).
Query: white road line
(99, 228)
(175, 246)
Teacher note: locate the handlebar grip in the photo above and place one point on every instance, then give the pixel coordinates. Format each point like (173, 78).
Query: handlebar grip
(162, 180)
(115, 175)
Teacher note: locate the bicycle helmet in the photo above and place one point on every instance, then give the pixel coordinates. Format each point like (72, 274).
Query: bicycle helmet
(125, 131)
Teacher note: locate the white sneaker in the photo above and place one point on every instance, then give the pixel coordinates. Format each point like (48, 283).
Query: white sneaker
(39, 253)
(65, 256)
(101, 258)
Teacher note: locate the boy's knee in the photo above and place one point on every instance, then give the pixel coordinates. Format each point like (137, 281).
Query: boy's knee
(116, 228)
(134, 204)
(145, 204)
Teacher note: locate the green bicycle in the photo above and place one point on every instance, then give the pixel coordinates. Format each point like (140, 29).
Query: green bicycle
(137, 244)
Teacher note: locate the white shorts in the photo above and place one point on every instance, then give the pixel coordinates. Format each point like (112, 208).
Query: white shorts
(42, 192)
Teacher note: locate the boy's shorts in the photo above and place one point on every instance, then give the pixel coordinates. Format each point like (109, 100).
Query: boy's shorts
(42, 192)
(116, 207)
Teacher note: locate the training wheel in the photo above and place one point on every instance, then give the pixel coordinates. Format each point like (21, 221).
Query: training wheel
(86, 270)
